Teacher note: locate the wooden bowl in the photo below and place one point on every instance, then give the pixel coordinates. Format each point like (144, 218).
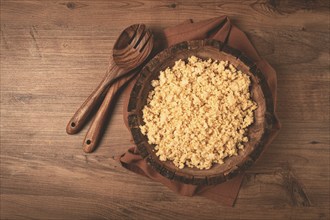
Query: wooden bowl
(258, 132)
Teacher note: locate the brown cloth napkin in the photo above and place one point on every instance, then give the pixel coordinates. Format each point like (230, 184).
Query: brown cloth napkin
(219, 28)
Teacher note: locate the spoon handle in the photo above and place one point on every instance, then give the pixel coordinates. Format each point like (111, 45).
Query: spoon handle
(94, 132)
(80, 117)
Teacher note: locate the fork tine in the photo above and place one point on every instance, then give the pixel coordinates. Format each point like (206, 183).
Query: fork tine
(138, 36)
(132, 32)
(146, 46)
(143, 43)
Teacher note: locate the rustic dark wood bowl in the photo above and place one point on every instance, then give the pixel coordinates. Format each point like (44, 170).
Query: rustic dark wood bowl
(258, 132)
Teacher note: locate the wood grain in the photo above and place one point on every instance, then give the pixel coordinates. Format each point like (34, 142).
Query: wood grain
(53, 53)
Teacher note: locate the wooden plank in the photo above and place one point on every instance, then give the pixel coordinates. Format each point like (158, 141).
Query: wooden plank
(53, 53)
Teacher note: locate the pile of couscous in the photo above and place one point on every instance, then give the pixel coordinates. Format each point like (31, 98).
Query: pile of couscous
(198, 112)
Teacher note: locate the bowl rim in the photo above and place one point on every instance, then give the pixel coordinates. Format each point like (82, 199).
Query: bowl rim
(139, 138)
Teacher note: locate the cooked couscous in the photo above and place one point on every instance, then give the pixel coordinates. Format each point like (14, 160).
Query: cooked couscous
(198, 112)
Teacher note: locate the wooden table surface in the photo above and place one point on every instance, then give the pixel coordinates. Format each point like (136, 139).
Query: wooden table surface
(54, 53)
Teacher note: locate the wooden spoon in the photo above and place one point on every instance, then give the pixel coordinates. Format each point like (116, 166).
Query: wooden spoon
(129, 52)
(95, 130)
